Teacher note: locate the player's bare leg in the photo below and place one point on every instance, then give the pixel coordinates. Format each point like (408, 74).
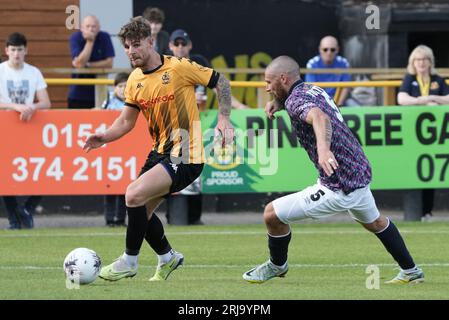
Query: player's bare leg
(142, 198)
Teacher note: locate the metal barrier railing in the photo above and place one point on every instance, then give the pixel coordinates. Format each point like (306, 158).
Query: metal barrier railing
(370, 71)
(262, 96)
(389, 96)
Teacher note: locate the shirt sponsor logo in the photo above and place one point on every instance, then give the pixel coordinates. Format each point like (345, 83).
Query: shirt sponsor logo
(147, 103)
(434, 85)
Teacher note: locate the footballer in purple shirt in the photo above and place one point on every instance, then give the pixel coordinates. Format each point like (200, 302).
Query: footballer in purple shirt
(354, 170)
(344, 175)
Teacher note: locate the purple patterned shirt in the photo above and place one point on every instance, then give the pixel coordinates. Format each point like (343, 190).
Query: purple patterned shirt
(354, 170)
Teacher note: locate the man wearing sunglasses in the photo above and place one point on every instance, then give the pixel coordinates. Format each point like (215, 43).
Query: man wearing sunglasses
(181, 45)
(329, 58)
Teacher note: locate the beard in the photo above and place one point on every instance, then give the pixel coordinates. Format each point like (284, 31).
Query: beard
(280, 94)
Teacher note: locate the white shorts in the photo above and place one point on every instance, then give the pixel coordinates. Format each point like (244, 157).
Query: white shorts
(318, 201)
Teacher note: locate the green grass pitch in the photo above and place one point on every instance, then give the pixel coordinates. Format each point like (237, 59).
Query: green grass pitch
(327, 261)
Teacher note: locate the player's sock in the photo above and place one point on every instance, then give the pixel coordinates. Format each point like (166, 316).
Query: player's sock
(412, 270)
(164, 258)
(155, 236)
(278, 246)
(135, 232)
(130, 260)
(393, 242)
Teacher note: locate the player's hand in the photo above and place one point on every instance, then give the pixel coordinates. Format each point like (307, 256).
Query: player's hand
(94, 141)
(224, 129)
(271, 108)
(328, 162)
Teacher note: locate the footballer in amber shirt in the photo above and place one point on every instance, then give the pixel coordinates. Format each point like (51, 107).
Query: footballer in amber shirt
(166, 97)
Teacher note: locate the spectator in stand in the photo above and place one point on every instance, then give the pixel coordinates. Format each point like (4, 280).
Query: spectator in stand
(329, 58)
(115, 205)
(160, 37)
(23, 89)
(422, 86)
(90, 48)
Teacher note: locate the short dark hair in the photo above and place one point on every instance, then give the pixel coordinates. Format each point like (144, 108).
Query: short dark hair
(138, 28)
(16, 39)
(121, 77)
(154, 14)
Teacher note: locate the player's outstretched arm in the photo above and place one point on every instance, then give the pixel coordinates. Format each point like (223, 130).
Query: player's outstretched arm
(224, 126)
(121, 126)
(323, 132)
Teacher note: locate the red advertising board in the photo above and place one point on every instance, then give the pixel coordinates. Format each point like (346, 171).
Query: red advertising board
(45, 157)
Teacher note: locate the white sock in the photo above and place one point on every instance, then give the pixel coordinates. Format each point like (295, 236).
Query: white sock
(407, 271)
(130, 260)
(280, 267)
(164, 258)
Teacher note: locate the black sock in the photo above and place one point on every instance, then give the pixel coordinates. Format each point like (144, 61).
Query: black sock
(155, 236)
(393, 242)
(279, 248)
(135, 232)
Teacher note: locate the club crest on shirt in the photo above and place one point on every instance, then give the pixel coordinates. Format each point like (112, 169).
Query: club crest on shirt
(434, 85)
(165, 78)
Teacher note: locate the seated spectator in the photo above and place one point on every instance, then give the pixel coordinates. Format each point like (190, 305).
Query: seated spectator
(115, 205)
(422, 86)
(90, 48)
(23, 89)
(329, 58)
(160, 37)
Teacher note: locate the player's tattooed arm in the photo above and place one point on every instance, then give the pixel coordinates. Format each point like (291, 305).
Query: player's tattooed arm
(322, 128)
(224, 126)
(327, 131)
(224, 96)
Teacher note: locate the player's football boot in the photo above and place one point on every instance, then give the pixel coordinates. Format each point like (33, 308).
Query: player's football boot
(164, 270)
(414, 277)
(117, 270)
(265, 272)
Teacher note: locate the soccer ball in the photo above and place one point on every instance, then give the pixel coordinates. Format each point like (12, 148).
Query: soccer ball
(82, 266)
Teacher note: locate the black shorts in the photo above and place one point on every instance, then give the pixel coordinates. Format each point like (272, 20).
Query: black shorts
(182, 174)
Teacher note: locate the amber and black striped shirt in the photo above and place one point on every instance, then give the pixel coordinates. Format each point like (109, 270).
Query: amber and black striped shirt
(166, 96)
